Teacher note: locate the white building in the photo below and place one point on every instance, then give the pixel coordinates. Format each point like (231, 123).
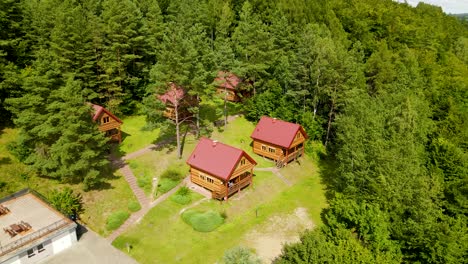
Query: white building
(31, 230)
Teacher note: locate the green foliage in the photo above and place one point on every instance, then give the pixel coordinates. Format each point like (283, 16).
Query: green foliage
(380, 84)
(240, 255)
(172, 174)
(144, 181)
(116, 219)
(165, 185)
(182, 196)
(181, 199)
(134, 206)
(203, 221)
(66, 201)
(183, 191)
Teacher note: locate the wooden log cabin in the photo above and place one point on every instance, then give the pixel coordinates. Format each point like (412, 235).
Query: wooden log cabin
(228, 84)
(220, 168)
(278, 140)
(108, 122)
(177, 98)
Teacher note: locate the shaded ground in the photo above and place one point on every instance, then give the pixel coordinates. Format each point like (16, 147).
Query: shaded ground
(268, 239)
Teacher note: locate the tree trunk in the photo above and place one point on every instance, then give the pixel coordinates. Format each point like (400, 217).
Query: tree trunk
(177, 123)
(198, 117)
(225, 108)
(316, 93)
(330, 115)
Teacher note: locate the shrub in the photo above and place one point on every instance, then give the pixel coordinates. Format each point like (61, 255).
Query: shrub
(182, 196)
(223, 215)
(115, 220)
(315, 149)
(203, 221)
(143, 181)
(183, 191)
(66, 201)
(172, 174)
(166, 185)
(240, 255)
(181, 199)
(134, 206)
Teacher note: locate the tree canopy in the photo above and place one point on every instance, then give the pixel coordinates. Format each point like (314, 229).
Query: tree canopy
(383, 85)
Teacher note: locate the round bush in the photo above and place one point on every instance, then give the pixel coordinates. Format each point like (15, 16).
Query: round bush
(116, 219)
(134, 206)
(200, 221)
(181, 199)
(172, 174)
(166, 185)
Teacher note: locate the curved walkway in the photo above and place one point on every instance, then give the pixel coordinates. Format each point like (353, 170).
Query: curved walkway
(144, 201)
(137, 216)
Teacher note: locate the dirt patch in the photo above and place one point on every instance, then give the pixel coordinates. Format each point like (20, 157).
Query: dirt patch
(268, 240)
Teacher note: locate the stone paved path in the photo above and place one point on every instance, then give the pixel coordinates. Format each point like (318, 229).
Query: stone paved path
(144, 201)
(137, 216)
(132, 182)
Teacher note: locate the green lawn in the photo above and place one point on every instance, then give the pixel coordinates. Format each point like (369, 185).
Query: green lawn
(152, 164)
(163, 229)
(134, 135)
(114, 195)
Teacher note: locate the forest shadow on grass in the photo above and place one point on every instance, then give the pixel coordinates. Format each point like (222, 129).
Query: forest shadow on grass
(328, 166)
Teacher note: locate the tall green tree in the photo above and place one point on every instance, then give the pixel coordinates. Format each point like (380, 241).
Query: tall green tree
(121, 53)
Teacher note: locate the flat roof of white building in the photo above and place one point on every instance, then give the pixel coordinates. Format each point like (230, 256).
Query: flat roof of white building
(30, 209)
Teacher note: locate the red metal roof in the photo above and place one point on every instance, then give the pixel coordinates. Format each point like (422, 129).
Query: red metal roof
(227, 80)
(98, 110)
(216, 158)
(275, 131)
(173, 94)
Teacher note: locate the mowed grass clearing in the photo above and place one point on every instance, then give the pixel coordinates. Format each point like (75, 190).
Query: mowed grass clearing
(163, 229)
(163, 237)
(134, 134)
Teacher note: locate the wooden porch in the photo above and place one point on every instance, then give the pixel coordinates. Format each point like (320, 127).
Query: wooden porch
(234, 186)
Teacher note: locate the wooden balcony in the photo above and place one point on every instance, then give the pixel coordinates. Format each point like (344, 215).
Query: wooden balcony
(233, 188)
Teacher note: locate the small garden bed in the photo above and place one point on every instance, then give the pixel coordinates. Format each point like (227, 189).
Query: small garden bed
(203, 221)
(182, 196)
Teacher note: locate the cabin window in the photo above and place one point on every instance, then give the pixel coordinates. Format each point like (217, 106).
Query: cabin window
(40, 248)
(264, 147)
(203, 177)
(298, 135)
(31, 253)
(105, 120)
(271, 150)
(242, 162)
(209, 180)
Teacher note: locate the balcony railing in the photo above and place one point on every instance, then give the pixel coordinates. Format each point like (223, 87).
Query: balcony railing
(5, 249)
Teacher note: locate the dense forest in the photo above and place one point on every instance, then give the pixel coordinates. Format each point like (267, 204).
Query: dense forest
(382, 85)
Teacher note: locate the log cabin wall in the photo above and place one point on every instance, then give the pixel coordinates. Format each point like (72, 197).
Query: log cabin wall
(243, 166)
(231, 95)
(298, 139)
(268, 150)
(106, 123)
(207, 180)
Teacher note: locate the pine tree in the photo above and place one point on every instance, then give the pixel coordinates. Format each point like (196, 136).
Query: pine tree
(252, 45)
(122, 50)
(79, 153)
(72, 44)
